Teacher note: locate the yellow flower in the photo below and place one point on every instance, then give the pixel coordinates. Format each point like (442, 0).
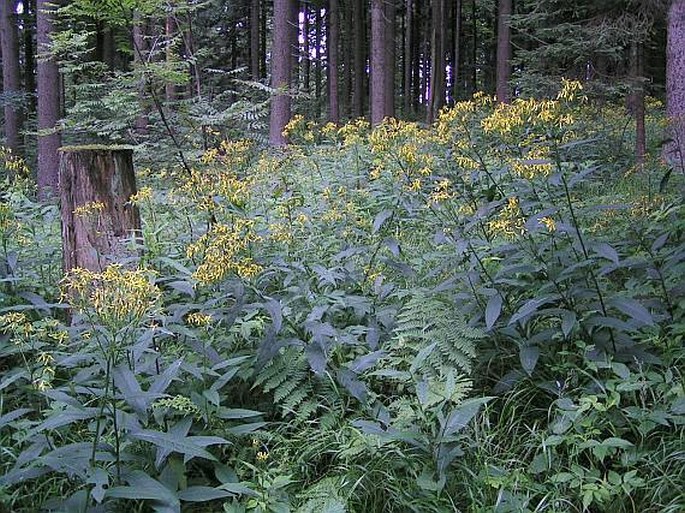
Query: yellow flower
(199, 319)
(118, 297)
(222, 250)
(549, 223)
(510, 222)
(144, 194)
(262, 456)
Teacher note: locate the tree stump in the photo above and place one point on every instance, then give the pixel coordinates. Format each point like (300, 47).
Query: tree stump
(98, 220)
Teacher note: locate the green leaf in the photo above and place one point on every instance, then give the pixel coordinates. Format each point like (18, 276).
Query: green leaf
(203, 493)
(380, 220)
(238, 489)
(632, 309)
(568, 322)
(244, 429)
(461, 416)
(169, 442)
(236, 413)
(531, 307)
(493, 310)
(143, 487)
(529, 356)
(606, 251)
(421, 357)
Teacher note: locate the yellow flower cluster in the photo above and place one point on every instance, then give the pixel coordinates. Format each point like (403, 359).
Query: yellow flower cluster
(510, 222)
(199, 319)
(442, 191)
(30, 337)
(206, 188)
(118, 297)
(354, 132)
(8, 221)
(14, 164)
(391, 131)
(231, 153)
(223, 251)
(570, 90)
(91, 209)
(548, 223)
(143, 195)
(535, 164)
(510, 119)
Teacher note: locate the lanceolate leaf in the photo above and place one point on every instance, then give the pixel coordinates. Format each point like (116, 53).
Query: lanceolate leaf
(172, 443)
(529, 358)
(633, 309)
(493, 310)
(531, 307)
(461, 416)
(202, 494)
(143, 487)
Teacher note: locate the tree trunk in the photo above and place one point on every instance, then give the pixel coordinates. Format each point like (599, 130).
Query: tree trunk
(306, 59)
(437, 82)
(416, 90)
(675, 84)
(29, 23)
(98, 220)
(11, 76)
(49, 140)
(408, 55)
(317, 60)
(390, 56)
(503, 50)
(254, 39)
(332, 47)
(346, 59)
(359, 60)
(280, 71)
(456, 60)
(474, 47)
(381, 67)
(262, 35)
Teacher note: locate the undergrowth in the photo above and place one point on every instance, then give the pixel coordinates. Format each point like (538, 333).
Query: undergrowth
(481, 315)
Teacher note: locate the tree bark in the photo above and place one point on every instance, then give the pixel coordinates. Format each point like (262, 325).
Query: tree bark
(94, 237)
(254, 39)
(346, 59)
(408, 55)
(332, 43)
(29, 23)
(381, 66)
(280, 71)
(675, 84)
(456, 56)
(390, 56)
(306, 58)
(49, 139)
(503, 50)
(437, 82)
(359, 60)
(317, 60)
(11, 77)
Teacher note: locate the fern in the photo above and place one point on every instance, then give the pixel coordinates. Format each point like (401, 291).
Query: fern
(296, 390)
(323, 497)
(424, 321)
